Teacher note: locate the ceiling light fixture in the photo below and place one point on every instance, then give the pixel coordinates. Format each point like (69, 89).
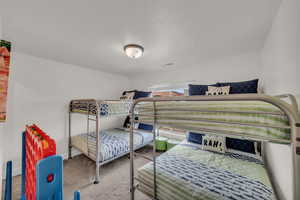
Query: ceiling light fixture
(133, 50)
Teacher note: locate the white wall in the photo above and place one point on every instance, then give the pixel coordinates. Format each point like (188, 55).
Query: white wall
(280, 73)
(40, 91)
(236, 68)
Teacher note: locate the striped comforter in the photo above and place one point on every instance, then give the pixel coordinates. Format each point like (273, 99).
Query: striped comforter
(249, 118)
(188, 173)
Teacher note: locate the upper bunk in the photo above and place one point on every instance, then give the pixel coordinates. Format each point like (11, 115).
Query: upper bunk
(103, 108)
(247, 116)
(107, 108)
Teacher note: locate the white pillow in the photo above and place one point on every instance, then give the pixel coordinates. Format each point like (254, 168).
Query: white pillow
(214, 143)
(215, 91)
(136, 125)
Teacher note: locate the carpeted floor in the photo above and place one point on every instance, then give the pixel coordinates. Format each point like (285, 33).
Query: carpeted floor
(79, 173)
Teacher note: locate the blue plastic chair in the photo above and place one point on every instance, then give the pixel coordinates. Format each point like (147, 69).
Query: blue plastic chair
(49, 174)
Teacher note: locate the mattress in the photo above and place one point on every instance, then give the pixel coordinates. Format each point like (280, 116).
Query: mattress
(113, 143)
(186, 172)
(247, 118)
(106, 107)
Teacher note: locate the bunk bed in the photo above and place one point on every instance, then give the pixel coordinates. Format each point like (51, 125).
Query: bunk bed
(190, 172)
(105, 145)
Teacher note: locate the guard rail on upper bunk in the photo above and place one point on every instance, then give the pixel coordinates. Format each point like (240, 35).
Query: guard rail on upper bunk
(104, 108)
(256, 117)
(231, 115)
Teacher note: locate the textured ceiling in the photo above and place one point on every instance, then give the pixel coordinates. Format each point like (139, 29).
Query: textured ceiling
(92, 33)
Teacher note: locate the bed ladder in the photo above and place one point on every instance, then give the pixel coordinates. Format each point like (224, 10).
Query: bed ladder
(96, 120)
(89, 119)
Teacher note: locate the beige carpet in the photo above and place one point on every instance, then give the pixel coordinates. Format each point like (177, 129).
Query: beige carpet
(114, 179)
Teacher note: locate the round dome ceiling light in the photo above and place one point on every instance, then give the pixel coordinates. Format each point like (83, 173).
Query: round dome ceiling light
(133, 50)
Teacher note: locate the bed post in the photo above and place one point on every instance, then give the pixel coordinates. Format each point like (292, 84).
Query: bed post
(295, 144)
(88, 127)
(296, 158)
(69, 141)
(132, 188)
(97, 144)
(154, 150)
(270, 173)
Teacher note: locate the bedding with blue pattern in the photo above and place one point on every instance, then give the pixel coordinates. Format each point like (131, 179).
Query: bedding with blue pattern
(113, 142)
(106, 107)
(186, 172)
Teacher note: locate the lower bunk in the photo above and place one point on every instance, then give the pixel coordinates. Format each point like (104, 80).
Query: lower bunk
(186, 172)
(113, 143)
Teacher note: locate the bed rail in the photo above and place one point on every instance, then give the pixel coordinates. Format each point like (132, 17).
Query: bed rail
(289, 111)
(291, 98)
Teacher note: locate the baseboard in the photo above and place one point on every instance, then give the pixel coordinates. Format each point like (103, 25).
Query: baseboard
(74, 153)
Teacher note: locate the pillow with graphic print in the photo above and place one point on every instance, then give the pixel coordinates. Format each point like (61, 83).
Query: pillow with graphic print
(215, 91)
(136, 125)
(127, 96)
(213, 143)
(198, 89)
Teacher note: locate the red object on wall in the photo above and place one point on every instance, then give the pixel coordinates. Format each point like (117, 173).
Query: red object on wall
(5, 48)
(38, 146)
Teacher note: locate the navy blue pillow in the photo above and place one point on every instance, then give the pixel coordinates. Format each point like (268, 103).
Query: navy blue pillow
(195, 137)
(241, 87)
(198, 89)
(231, 143)
(240, 145)
(146, 127)
(141, 94)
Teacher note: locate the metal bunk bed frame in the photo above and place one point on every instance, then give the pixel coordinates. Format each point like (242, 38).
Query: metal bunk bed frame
(290, 110)
(92, 109)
